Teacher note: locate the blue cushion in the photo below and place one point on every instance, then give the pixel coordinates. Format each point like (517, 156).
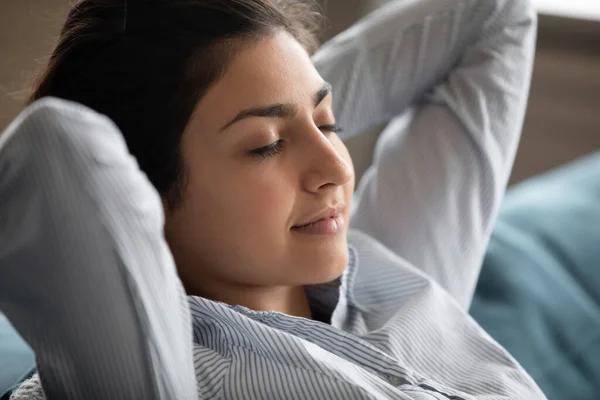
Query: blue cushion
(539, 291)
(17, 359)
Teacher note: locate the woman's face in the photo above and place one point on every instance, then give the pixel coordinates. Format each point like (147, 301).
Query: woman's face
(261, 160)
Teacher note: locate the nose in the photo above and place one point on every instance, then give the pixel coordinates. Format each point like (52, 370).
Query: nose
(325, 163)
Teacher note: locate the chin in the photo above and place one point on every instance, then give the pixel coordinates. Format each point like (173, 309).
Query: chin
(327, 266)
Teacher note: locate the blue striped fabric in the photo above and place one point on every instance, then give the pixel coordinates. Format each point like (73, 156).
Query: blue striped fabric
(87, 279)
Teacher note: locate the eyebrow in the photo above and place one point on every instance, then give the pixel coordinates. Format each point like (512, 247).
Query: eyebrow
(322, 93)
(280, 110)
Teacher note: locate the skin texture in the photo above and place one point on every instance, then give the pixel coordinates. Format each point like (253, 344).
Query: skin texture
(231, 236)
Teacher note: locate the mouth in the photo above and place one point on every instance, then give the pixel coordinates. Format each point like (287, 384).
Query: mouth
(326, 222)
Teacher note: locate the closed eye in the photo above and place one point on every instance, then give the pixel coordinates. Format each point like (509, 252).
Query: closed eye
(270, 150)
(334, 128)
(279, 145)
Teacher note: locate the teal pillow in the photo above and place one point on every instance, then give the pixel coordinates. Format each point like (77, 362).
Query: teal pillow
(539, 291)
(16, 357)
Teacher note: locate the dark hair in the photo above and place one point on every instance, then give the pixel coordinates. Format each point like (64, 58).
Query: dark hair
(146, 64)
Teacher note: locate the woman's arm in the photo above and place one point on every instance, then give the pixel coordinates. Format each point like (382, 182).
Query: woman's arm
(85, 274)
(464, 65)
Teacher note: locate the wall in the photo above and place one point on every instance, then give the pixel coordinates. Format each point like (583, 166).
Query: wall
(28, 29)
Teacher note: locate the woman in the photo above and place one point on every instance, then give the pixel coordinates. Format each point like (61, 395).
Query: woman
(238, 131)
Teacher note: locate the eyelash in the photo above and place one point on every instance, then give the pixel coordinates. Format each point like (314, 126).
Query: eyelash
(332, 128)
(270, 150)
(277, 147)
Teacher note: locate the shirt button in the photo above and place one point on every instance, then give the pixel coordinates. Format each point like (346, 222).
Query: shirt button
(394, 380)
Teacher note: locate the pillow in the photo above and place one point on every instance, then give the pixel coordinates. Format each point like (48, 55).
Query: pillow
(17, 359)
(539, 290)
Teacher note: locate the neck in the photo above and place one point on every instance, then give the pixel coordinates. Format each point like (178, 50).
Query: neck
(285, 299)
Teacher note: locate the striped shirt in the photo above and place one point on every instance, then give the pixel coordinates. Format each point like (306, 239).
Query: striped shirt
(88, 280)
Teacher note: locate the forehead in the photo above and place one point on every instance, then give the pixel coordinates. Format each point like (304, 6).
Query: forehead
(274, 69)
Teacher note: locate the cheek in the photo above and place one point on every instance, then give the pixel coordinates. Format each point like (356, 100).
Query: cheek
(264, 198)
(242, 202)
(232, 217)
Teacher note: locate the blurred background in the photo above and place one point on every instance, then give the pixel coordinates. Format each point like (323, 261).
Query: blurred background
(563, 119)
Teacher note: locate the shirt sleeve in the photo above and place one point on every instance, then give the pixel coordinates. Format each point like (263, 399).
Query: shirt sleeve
(85, 274)
(460, 72)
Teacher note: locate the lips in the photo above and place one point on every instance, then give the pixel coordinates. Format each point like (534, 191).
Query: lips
(329, 212)
(324, 226)
(328, 221)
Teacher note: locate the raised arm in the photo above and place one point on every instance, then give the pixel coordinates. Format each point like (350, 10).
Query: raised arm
(85, 274)
(463, 67)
